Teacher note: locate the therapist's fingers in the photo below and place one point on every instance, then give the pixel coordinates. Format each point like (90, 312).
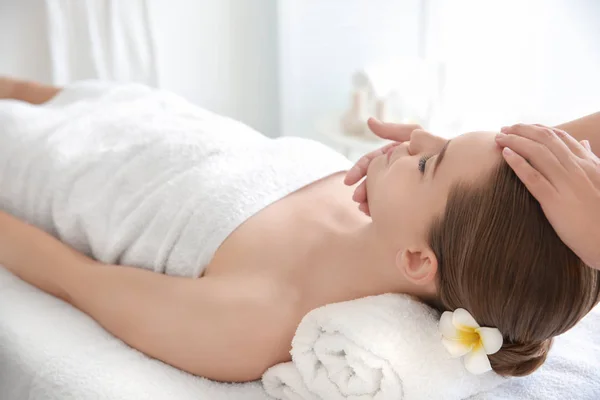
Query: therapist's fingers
(586, 144)
(535, 182)
(359, 170)
(572, 144)
(575, 147)
(395, 132)
(551, 138)
(591, 165)
(538, 155)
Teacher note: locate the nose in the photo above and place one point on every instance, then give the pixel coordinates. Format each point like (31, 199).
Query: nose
(422, 142)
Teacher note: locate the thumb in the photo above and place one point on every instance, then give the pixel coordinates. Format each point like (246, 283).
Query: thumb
(395, 132)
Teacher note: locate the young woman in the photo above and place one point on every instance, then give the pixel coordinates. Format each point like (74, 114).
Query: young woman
(562, 174)
(450, 223)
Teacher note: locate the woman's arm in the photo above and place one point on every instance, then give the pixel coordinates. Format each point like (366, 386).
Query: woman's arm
(587, 128)
(31, 92)
(226, 329)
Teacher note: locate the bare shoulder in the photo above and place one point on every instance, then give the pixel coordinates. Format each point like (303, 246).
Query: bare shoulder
(258, 319)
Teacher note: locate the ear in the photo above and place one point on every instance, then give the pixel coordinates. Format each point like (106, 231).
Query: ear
(419, 266)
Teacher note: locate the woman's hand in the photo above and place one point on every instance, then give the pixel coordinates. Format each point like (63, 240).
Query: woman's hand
(564, 176)
(7, 87)
(28, 91)
(398, 133)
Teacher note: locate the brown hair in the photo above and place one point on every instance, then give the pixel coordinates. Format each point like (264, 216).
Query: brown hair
(500, 259)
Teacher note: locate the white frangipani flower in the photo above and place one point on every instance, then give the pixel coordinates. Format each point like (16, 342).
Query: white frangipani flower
(462, 336)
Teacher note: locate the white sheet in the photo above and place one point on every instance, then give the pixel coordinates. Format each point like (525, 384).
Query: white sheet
(572, 371)
(51, 351)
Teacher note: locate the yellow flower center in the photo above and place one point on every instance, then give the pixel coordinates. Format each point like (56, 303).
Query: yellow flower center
(469, 336)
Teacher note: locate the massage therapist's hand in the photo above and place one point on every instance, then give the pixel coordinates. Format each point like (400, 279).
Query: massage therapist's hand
(396, 132)
(564, 176)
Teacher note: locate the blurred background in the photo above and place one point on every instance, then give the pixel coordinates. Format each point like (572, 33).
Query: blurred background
(319, 68)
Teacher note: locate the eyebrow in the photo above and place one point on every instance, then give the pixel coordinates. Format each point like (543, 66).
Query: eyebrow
(440, 157)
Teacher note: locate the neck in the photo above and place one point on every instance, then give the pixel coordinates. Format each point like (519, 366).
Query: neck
(354, 262)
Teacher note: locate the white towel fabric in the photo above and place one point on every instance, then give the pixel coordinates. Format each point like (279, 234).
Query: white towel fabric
(136, 176)
(284, 382)
(381, 347)
(101, 39)
(388, 347)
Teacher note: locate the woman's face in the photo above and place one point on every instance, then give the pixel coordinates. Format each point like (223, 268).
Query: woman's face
(408, 187)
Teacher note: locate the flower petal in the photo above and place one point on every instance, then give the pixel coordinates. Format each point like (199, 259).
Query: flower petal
(477, 362)
(447, 328)
(456, 348)
(462, 319)
(491, 338)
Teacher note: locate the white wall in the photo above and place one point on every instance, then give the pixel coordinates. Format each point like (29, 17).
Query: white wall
(281, 65)
(322, 44)
(507, 60)
(511, 61)
(220, 54)
(23, 45)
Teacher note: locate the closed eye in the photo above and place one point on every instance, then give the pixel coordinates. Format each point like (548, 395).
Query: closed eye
(423, 163)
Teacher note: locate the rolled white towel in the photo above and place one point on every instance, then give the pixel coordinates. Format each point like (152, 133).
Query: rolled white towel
(283, 382)
(379, 347)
